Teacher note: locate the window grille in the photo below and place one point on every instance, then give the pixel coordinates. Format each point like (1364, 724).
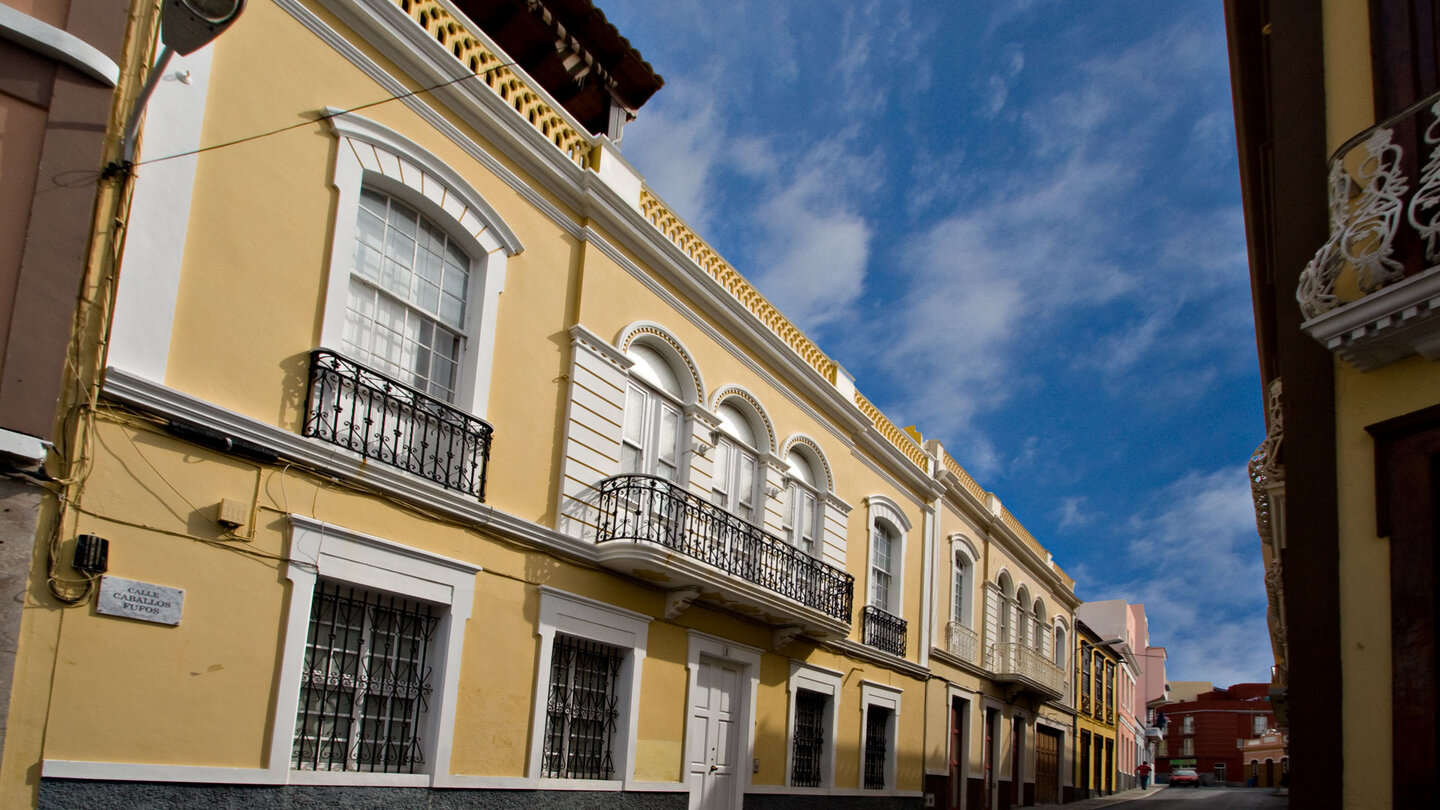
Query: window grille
(581, 712)
(809, 738)
(364, 691)
(877, 724)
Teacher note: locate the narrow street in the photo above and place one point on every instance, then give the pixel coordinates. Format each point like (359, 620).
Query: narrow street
(1213, 798)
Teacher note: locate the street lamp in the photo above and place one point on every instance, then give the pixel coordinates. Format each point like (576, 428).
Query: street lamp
(185, 27)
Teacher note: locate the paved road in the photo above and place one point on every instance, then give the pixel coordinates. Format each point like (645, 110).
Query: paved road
(1181, 798)
(1187, 799)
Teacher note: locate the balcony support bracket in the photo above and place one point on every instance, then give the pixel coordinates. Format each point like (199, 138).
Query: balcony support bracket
(785, 636)
(679, 599)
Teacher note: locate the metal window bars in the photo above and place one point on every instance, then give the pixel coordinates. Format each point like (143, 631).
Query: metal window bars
(883, 631)
(809, 739)
(366, 683)
(581, 710)
(877, 727)
(644, 508)
(355, 407)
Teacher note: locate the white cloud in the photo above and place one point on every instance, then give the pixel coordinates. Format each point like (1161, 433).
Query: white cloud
(1072, 512)
(1194, 562)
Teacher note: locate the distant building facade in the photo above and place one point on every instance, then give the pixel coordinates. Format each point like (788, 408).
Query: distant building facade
(1203, 734)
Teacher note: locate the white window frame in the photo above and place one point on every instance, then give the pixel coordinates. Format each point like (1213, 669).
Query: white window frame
(1061, 644)
(797, 492)
(654, 406)
(580, 617)
(886, 697)
(882, 510)
(962, 578)
(726, 476)
(341, 555)
(371, 155)
(826, 682)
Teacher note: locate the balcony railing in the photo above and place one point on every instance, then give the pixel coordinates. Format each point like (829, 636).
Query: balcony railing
(1011, 659)
(362, 410)
(883, 631)
(962, 642)
(1384, 232)
(643, 508)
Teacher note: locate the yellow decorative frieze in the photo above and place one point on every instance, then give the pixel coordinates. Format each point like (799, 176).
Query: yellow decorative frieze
(895, 435)
(497, 75)
(966, 481)
(1023, 533)
(707, 259)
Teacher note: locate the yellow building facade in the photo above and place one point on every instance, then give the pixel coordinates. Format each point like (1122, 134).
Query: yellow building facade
(1097, 753)
(428, 449)
(1339, 178)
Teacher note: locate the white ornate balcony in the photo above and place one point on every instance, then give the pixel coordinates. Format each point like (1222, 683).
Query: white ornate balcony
(1025, 669)
(962, 642)
(1372, 292)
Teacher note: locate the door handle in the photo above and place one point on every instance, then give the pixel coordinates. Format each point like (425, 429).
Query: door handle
(714, 768)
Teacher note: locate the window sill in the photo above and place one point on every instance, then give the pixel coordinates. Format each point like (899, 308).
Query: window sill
(598, 785)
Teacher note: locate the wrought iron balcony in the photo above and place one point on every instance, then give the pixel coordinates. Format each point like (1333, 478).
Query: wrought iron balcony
(1025, 667)
(962, 642)
(883, 631)
(1371, 294)
(364, 411)
(646, 509)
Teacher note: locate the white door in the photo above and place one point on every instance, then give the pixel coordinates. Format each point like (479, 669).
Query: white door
(715, 737)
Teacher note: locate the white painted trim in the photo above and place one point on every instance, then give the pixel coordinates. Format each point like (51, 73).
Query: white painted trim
(58, 44)
(579, 616)
(827, 682)
(883, 508)
(143, 772)
(159, 221)
(873, 693)
(372, 155)
(319, 549)
(668, 343)
(740, 392)
(734, 652)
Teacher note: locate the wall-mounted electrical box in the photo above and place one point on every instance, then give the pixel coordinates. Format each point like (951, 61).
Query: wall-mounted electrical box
(92, 554)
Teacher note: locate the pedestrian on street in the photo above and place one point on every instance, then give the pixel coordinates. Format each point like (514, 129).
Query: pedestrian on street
(1144, 771)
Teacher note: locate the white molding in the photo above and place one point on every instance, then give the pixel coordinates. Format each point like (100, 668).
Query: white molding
(319, 549)
(671, 344)
(369, 154)
(882, 508)
(873, 693)
(58, 44)
(147, 395)
(582, 617)
(143, 772)
(826, 682)
(156, 229)
(1389, 324)
(704, 645)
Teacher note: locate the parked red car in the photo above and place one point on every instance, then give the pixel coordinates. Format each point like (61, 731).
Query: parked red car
(1184, 777)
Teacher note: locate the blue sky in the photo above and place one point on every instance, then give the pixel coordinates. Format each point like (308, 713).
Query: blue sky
(1018, 225)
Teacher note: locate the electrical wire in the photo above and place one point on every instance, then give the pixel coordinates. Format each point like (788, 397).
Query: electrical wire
(124, 167)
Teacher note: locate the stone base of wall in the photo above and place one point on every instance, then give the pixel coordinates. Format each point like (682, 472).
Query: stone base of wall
(81, 794)
(774, 801)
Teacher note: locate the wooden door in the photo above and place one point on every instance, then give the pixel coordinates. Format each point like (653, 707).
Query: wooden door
(1047, 766)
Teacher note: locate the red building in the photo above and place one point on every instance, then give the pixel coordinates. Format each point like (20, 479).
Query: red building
(1205, 734)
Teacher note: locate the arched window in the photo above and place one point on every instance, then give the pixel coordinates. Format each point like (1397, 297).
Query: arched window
(417, 266)
(1022, 600)
(737, 478)
(1037, 620)
(650, 442)
(406, 307)
(802, 517)
(960, 590)
(1007, 591)
(884, 548)
(1060, 645)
